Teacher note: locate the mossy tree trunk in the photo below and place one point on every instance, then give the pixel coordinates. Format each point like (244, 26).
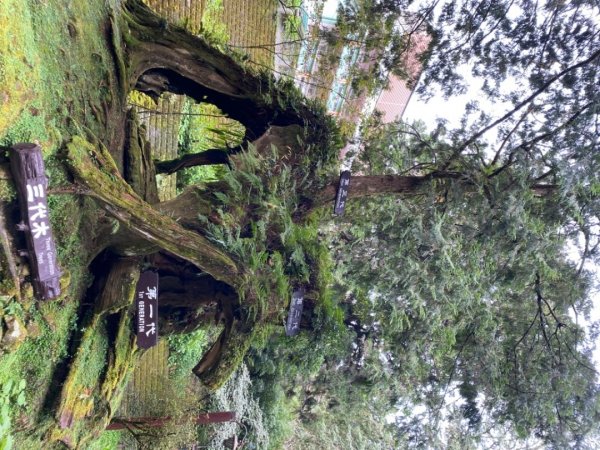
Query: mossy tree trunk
(162, 57)
(140, 218)
(95, 170)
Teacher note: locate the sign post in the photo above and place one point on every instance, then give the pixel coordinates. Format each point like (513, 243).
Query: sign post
(342, 193)
(292, 327)
(146, 307)
(27, 166)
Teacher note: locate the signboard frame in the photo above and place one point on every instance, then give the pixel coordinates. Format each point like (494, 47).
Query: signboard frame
(342, 193)
(146, 309)
(28, 170)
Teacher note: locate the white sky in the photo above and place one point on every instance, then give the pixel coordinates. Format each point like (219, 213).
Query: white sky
(330, 8)
(439, 108)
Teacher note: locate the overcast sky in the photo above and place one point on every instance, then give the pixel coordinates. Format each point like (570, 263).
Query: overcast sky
(330, 8)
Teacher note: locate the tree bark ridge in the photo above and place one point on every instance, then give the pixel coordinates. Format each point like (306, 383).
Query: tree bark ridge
(164, 57)
(123, 203)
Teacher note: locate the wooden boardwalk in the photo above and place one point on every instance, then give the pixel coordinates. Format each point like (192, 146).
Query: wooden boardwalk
(146, 381)
(162, 131)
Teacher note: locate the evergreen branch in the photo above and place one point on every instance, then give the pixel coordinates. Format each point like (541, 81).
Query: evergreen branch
(543, 324)
(558, 322)
(582, 364)
(505, 141)
(555, 130)
(453, 371)
(526, 332)
(520, 105)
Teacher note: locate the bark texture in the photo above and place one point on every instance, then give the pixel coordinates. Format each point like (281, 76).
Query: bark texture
(119, 199)
(163, 57)
(208, 157)
(373, 185)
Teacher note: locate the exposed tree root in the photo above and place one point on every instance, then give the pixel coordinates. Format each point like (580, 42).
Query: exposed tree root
(95, 169)
(89, 398)
(208, 157)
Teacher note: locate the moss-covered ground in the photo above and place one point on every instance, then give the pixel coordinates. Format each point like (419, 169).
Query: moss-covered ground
(55, 76)
(56, 73)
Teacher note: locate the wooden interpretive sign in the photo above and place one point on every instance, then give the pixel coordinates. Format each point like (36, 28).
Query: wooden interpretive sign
(292, 327)
(146, 308)
(342, 193)
(27, 166)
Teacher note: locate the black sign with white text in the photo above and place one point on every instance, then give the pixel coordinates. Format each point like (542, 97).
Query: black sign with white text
(146, 308)
(342, 193)
(292, 328)
(27, 166)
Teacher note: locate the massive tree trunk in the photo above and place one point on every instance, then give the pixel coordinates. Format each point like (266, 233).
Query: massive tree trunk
(155, 57)
(119, 199)
(163, 57)
(373, 185)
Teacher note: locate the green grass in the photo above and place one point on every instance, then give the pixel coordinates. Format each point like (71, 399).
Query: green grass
(109, 440)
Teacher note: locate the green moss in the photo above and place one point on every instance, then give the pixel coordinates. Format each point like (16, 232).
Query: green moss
(109, 440)
(78, 394)
(55, 72)
(17, 57)
(7, 191)
(28, 126)
(231, 358)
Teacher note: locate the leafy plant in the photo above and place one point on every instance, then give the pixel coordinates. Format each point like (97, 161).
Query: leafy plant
(213, 28)
(12, 395)
(278, 253)
(185, 351)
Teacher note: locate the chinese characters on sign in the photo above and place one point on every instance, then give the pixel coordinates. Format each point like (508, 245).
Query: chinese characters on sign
(292, 328)
(146, 297)
(31, 182)
(342, 193)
